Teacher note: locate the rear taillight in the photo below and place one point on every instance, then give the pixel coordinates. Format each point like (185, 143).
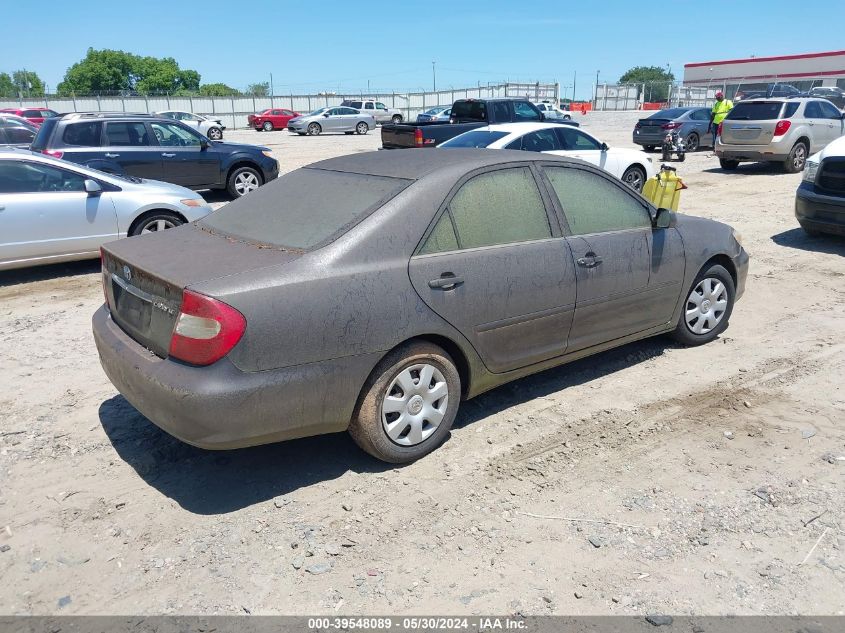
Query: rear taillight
(418, 137)
(672, 125)
(638, 125)
(782, 127)
(206, 329)
(53, 152)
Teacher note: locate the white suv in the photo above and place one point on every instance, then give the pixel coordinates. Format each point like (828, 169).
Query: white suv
(380, 112)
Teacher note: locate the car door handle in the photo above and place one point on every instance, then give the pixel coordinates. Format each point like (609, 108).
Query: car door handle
(446, 281)
(168, 154)
(590, 260)
(110, 155)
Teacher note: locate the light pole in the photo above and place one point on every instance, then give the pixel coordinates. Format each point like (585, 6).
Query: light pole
(597, 88)
(433, 77)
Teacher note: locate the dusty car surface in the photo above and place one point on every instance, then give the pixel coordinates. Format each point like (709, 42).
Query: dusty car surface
(374, 292)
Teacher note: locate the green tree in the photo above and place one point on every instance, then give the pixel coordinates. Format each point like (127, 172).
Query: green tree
(7, 88)
(261, 89)
(218, 90)
(111, 71)
(28, 83)
(655, 78)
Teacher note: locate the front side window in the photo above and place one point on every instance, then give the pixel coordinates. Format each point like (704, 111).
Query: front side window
(380, 106)
(172, 135)
(700, 115)
(26, 177)
(32, 114)
(126, 134)
(499, 207)
(523, 111)
(572, 139)
(813, 110)
(592, 204)
(829, 111)
(84, 134)
(539, 141)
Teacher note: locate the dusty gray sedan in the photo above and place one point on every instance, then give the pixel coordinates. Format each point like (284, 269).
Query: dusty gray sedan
(339, 119)
(374, 292)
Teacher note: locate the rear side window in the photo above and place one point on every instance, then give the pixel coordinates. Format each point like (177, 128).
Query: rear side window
(591, 204)
(19, 135)
(700, 115)
(126, 134)
(757, 111)
(500, 207)
(473, 110)
(27, 177)
(83, 134)
(32, 114)
(304, 208)
(473, 138)
(354, 104)
(790, 109)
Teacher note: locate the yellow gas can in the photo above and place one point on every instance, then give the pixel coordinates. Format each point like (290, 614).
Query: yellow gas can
(664, 189)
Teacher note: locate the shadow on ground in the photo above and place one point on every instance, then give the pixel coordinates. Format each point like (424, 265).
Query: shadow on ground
(51, 271)
(218, 482)
(757, 169)
(797, 238)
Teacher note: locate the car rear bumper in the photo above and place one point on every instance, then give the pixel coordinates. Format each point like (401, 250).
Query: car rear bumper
(222, 407)
(819, 212)
(752, 152)
(648, 139)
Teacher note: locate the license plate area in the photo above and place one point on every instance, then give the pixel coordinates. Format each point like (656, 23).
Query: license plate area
(133, 306)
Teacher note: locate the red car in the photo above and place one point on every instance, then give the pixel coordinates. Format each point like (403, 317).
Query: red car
(271, 119)
(33, 115)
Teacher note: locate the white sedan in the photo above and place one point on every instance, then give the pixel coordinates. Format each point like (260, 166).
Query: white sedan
(211, 127)
(632, 166)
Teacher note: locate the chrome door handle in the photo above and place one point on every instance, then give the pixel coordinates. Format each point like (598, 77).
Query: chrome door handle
(446, 282)
(589, 261)
(108, 155)
(168, 154)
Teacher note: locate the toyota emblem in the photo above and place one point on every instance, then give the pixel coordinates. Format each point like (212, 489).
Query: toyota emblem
(127, 272)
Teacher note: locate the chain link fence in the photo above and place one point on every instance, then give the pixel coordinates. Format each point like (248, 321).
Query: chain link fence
(234, 110)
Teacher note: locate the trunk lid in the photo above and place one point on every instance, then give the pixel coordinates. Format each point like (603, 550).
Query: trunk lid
(398, 136)
(144, 276)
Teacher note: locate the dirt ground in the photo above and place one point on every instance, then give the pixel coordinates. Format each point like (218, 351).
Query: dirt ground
(651, 478)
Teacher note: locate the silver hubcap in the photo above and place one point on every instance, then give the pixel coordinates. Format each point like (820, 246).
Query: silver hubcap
(246, 182)
(157, 225)
(706, 306)
(362, 128)
(634, 180)
(415, 404)
(268, 126)
(313, 129)
(214, 134)
(798, 157)
(692, 143)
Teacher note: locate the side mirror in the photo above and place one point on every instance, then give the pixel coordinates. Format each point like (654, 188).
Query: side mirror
(92, 187)
(662, 219)
(204, 144)
(604, 147)
(542, 116)
(326, 114)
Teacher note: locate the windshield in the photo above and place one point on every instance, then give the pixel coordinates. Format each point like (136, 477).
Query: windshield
(756, 111)
(671, 113)
(474, 138)
(304, 208)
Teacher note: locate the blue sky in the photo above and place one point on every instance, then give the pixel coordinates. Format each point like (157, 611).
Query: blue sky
(341, 46)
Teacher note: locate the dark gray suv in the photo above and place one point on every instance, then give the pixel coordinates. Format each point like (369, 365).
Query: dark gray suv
(157, 148)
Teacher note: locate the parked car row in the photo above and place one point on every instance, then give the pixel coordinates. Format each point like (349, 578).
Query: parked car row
(36, 116)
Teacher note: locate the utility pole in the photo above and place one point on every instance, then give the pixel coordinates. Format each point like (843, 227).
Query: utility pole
(433, 77)
(597, 88)
(574, 78)
(272, 92)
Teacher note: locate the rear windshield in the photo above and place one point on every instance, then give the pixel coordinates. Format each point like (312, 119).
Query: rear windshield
(41, 139)
(304, 208)
(475, 110)
(671, 113)
(474, 138)
(757, 111)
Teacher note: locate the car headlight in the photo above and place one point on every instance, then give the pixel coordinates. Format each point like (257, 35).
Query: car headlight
(193, 202)
(737, 236)
(267, 152)
(810, 171)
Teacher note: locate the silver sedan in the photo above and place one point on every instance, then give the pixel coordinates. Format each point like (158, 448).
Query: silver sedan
(338, 119)
(55, 211)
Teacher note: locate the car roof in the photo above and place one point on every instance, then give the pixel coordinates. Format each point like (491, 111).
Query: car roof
(413, 164)
(521, 127)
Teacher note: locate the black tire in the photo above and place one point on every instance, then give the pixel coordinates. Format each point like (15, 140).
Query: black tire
(348, 133)
(682, 157)
(684, 332)
(566, 117)
(634, 177)
(811, 232)
(649, 148)
(301, 133)
(797, 158)
(667, 155)
(314, 129)
(154, 221)
(215, 133)
(367, 427)
(362, 128)
(396, 119)
(692, 142)
(727, 164)
(267, 126)
(243, 180)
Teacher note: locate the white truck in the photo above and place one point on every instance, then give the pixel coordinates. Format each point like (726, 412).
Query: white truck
(380, 112)
(552, 112)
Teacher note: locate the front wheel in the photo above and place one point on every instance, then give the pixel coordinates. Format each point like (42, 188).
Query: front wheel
(268, 126)
(692, 142)
(708, 307)
(314, 129)
(396, 119)
(634, 177)
(215, 133)
(362, 128)
(408, 404)
(242, 181)
(727, 164)
(796, 159)
(155, 221)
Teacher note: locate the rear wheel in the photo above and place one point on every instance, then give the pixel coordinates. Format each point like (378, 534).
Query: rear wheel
(243, 180)
(727, 164)
(396, 119)
(692, 142)
(215, 133)
(796, 159)
(707, 308)
(567, 117)
(362, 128)
(408, 404)
(634, 177)
(268, 126)
(314, 129)
(649, 148)
(155, 221)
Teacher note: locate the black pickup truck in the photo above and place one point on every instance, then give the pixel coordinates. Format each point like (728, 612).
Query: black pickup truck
(467, 114)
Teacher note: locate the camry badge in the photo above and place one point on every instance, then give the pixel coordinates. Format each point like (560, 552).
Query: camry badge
(127, 272)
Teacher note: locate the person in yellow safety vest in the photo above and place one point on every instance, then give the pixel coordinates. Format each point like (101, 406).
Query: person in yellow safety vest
(718, 113)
